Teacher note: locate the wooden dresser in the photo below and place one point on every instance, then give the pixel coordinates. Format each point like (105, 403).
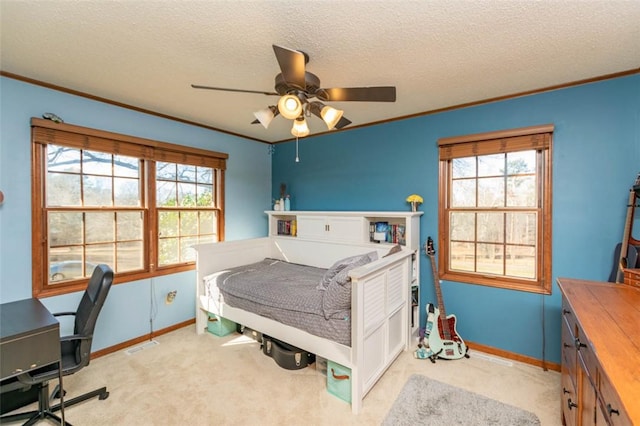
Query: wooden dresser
(600, 353)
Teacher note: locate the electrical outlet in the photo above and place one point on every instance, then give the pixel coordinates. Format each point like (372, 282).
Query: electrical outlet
(171, 296)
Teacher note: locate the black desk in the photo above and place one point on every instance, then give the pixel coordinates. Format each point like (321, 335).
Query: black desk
(29, 339)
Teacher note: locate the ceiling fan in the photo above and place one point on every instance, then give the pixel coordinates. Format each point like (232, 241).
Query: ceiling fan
(301, 95)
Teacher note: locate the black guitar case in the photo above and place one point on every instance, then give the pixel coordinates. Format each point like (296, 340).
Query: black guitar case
(286, 356)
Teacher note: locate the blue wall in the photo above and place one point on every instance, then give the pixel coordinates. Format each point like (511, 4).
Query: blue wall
(130, 306)
(596, 157)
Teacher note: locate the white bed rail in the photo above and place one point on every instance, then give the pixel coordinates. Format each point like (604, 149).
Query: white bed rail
(380, 304)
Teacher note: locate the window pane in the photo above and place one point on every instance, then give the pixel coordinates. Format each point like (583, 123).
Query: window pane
(464, 167)
(205, 196)
(130, 256)
(168, 251)
(102, 253)
(126, 192)
(188, 223)
(97, 163)
(521, 162)
(165, 171)
(491, 227)
(129, 226)
(168, 223)
(521, 191)
(186, 194)
(490, 259)
(205, 174)
(97, 191)
(462, 256)
(463, 193)
(207, 222)
(62, 159)
(126, 166)
(100, 227)
(491, 192)
(491, 165)
(186, 173)
(63, 190)
(187, 252)
(463, 226)
(521, 262)
(521, 228)
(65, 228)
(65, 263)
(166, 194)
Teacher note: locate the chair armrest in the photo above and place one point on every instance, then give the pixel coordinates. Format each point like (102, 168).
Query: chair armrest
(59, 314)
(72, 337)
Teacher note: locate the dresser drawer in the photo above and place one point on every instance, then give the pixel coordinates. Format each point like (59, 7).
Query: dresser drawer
(569, 398)
(588, 360)
(569, 353)
(611, 405)
(570, 317)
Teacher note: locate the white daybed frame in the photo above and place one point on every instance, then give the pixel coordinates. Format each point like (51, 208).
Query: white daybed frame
(380, 302)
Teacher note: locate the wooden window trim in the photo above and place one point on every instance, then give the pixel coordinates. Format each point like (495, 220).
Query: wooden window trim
(48, 132)
(527, 138)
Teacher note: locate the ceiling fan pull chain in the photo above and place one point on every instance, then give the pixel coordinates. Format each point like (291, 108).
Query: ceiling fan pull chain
(297, 158)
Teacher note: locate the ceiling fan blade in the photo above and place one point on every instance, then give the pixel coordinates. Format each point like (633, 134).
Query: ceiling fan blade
(292, 64)
(344, 122)
(362, 94)
(224, 89)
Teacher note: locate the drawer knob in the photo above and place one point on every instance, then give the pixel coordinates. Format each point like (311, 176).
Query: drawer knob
(566, 311)
(611, 411)
(571, 404)
(564, 390)
(580, 344)
(566, 345)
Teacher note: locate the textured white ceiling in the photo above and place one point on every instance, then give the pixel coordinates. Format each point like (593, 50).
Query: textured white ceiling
(437, 53)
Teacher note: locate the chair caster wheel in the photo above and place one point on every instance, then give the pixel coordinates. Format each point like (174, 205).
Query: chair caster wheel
(104, 395)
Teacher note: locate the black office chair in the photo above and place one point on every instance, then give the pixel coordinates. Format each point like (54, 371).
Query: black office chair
(75, 351)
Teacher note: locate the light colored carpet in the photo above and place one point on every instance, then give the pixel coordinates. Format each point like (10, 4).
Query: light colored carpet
(428, 402)
(191, 379)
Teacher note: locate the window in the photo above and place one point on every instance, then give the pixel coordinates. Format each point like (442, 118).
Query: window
(135, 204)
(495, 209)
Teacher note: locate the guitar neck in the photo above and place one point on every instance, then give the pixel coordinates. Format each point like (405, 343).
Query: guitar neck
(443, 312)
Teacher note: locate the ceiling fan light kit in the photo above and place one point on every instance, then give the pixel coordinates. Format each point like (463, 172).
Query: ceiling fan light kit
(290, 107)
(265, 116)
(296, 88)
(331, 116)
(300, 128)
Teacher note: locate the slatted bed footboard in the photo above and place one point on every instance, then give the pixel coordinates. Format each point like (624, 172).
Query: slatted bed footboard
(380, 303)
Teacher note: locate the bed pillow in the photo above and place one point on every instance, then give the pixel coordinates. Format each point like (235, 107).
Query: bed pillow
(342, 277)
(395, 249)
(337, 295)
(341, 264)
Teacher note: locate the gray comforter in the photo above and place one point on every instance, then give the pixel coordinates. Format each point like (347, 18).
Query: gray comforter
(285, 292)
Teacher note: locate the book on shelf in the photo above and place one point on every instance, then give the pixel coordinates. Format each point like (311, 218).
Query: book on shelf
(386, 232)
(286, 227)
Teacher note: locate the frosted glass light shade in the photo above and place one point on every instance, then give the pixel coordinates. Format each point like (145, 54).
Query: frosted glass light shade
(300, 128)
(290, 107)
(331, 116)
(264, 116)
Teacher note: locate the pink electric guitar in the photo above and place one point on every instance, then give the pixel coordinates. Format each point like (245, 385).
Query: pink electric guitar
(443, 339)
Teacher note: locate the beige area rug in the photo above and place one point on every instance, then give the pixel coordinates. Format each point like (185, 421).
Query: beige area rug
(424, 401)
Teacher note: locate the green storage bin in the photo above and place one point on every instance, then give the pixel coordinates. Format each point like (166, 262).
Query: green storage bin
(220, 326)
(339, 381)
